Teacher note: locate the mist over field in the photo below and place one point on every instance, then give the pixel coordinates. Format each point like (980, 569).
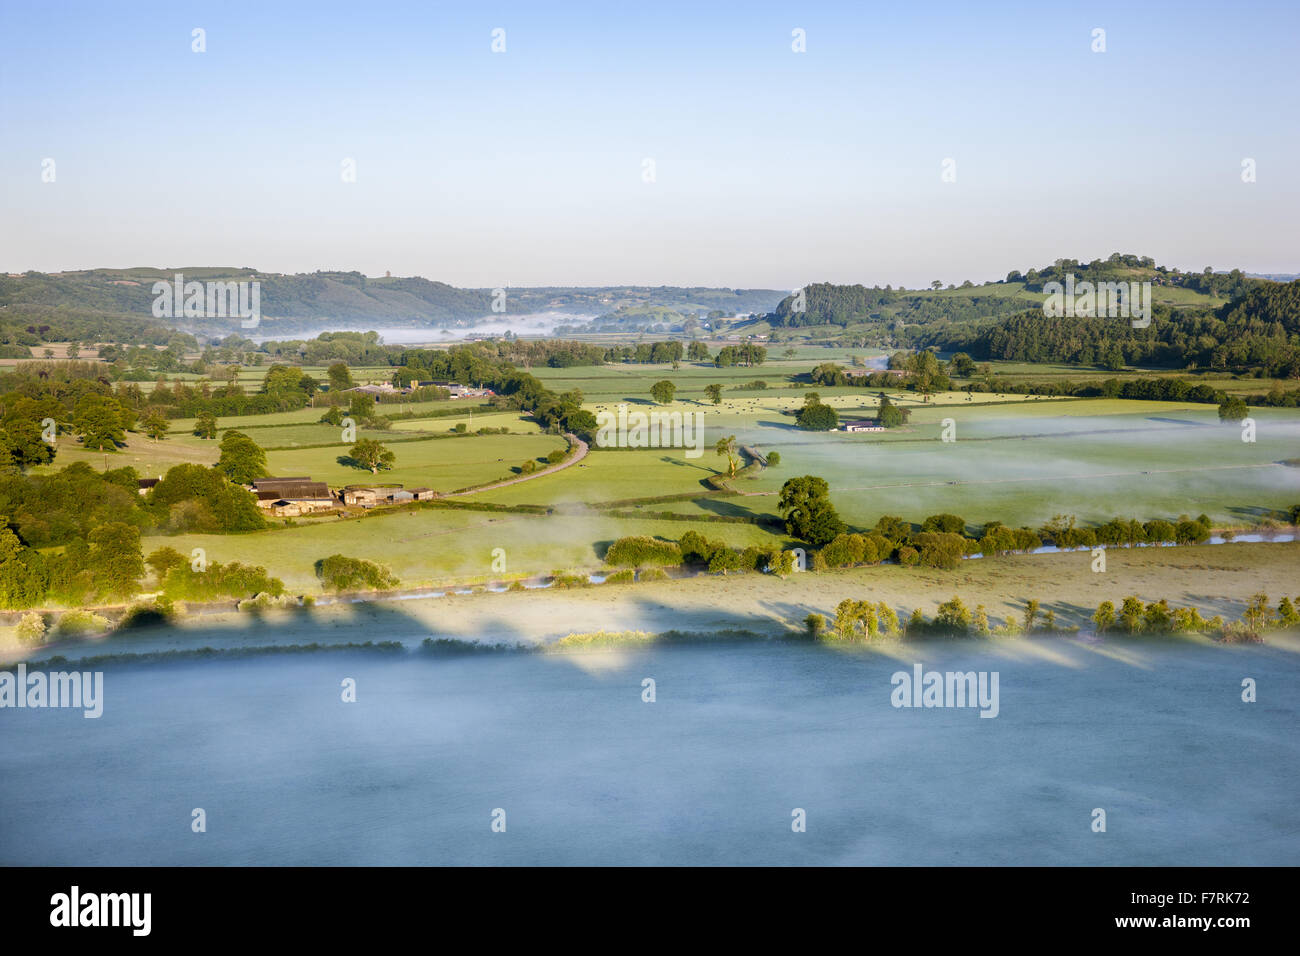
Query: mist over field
(738, 737)
(1027, 468)
(540, 325)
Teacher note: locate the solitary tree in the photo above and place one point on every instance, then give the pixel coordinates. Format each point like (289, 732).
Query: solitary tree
(714, 392)
(663, 391)
(1233, 410)
(727, 446)
(809, 515)
(373, 455)
(206, 426)
(817, 418)
(155, 424)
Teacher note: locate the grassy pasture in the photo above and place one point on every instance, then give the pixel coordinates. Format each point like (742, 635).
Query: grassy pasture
(1020, 462)
(1017, 459)
(511, 420)
(429, 546)
(441, 464)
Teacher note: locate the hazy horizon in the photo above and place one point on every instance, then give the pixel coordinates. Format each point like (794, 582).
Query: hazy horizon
(601, 285)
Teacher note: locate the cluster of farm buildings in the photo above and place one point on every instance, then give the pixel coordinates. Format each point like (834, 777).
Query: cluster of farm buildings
(291, 497)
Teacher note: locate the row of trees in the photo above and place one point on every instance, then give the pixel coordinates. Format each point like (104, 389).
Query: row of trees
(858, 620)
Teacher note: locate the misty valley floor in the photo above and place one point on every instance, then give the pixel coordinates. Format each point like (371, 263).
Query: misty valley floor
(738, 737)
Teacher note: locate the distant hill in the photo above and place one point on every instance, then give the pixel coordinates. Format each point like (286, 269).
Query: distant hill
(320, 300)
(827, 304)
(1258, 329)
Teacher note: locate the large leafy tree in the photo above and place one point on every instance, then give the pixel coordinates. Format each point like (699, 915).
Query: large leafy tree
(242, 459)
(371, 454)
(809, 515)
(663, 391)
(1233, 410)
(155, 424)
(817, 417)
(101, 422)
(206, 426)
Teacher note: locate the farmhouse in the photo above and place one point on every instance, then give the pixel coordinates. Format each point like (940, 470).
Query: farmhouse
(866, 425)
(293, 496)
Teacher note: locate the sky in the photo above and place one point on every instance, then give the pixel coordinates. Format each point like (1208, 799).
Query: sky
(649, 143)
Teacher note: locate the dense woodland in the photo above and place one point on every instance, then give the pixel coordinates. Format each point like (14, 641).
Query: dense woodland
(1257, 329)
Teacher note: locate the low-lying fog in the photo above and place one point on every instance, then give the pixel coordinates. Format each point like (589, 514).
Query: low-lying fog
(540, 324)
(738, 737)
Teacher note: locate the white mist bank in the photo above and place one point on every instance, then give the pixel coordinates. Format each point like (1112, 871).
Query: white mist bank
(736, 741)
(532, 325)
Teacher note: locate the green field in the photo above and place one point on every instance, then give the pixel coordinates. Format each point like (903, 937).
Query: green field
(1017, 459)
(426, 546)
(1020, 462)
(442, 464)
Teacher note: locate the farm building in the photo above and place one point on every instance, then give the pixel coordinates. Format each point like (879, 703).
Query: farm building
(369, 497)
(293, 496)
(867, 425)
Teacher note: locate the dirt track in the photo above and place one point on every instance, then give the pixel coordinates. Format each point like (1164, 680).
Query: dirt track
(549, 470)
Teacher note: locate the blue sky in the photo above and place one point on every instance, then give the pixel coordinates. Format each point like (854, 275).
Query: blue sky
(771, 168)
